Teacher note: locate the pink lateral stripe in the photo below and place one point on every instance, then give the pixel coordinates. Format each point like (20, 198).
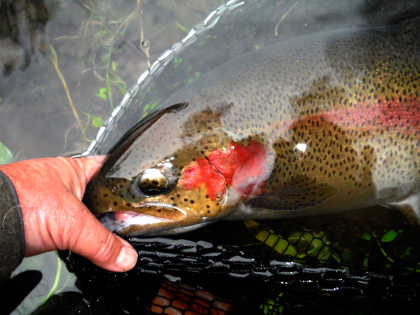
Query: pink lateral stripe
(391, 114)
(404, 117)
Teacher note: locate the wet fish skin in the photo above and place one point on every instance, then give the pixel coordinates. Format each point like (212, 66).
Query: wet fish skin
(314, 125)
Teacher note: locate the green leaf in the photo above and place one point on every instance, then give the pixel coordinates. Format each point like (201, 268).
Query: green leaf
(181, 27)
(109, 90)
(366, 236)
(102, 93)
(407, 252)
(324, 254)
(315, 247)
(97, 122)
(389, 236)
(291, 251)
(56, 280)
(262, 235)
(148, 108)
(5, 155)
(281, 246)
(114, 66)
(272, 240)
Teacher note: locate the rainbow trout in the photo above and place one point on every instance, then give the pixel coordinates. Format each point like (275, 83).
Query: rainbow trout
(318, 124)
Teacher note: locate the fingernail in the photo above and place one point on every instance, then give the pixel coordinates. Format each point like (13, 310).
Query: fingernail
(127, 258)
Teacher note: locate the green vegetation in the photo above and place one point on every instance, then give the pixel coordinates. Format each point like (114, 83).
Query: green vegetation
(99, 35)
(53, 289)
(148, 108)
(182, 28)
(298, 245)
(97, 122)
(272, 307)
(6, 155)
(389, 236)
(103, 35)
(386, 248)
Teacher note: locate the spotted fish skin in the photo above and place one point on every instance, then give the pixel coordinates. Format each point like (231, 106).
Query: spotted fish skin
(314, 125)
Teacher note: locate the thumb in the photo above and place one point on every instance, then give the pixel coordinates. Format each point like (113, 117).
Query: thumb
(91, 164)
(87, 167)
(102, 247)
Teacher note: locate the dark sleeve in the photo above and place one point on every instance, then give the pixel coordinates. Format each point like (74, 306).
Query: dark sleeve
(12, 237)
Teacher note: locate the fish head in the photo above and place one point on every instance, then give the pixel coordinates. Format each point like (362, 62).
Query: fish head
(170, 174)
(164, 198)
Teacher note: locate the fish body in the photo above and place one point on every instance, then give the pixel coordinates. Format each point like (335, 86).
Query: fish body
(318, 124)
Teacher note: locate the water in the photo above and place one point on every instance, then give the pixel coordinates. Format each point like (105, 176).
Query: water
(100, 57)
(93, 41)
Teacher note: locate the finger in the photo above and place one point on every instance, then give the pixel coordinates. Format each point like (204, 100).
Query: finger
(90, 165)
(80, 171)
(102, 247)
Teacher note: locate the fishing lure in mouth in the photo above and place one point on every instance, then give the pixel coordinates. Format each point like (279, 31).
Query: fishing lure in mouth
(310, 126)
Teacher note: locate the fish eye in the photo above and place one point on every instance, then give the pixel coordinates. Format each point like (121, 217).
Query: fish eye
(152, 182)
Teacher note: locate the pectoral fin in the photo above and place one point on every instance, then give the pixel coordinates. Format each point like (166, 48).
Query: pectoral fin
(410, 207)
(293, 198)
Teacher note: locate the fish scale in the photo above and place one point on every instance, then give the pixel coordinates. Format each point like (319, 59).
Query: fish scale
(309, 126)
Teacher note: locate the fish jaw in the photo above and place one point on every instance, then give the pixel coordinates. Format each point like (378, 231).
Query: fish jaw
(140, 222)
(129, 222)
(152, 218)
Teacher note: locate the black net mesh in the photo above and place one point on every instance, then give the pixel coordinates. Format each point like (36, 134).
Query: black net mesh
(282, 267)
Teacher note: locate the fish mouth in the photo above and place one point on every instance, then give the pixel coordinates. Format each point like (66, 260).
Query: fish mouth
(153, 218)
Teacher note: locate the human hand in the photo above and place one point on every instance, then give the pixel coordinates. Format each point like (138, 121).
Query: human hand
(50, 192)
